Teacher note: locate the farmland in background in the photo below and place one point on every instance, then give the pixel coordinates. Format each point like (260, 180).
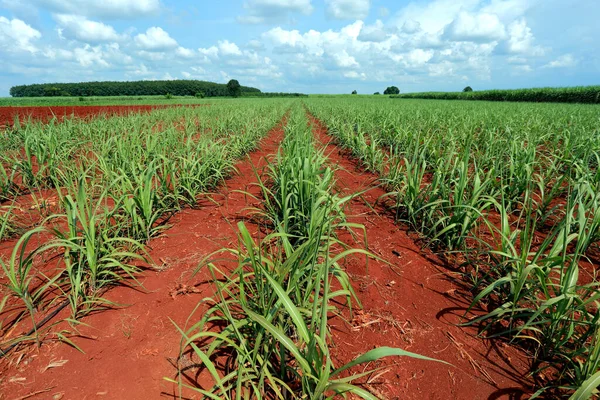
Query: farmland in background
(322, 241)
(581, 94)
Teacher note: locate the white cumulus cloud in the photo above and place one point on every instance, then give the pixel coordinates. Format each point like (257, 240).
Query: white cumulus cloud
(185, 53)
(17, 35)
(288, 40)
(521, 39)
(481, 27)
(355, 75)
(434, 15)
(227, 48)
(83, 29)
(155, 39)
(419, 56)
(411, 26)
(564, 61)
(373, 33)
(344, 60)
(209, 53)
(87, 56)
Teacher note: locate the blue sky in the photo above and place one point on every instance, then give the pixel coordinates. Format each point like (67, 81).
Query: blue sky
(310, 46)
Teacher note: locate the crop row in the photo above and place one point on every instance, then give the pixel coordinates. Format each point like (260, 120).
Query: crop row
(274, 298)
(511, 193)
(100, 190)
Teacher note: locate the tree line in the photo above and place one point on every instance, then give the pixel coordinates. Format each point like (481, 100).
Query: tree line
(133, 88)
(578, 94)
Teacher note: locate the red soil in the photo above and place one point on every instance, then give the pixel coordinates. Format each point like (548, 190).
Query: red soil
(45, 114)
(414, 303)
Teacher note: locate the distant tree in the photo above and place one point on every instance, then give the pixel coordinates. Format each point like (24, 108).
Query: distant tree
(376, 93)
(199, 95)
(468, 89)
(234, 88)
(354, 92)
(392, 90)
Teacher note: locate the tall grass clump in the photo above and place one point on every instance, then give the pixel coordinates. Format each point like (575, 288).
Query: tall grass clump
(95, 255)
(298, 192)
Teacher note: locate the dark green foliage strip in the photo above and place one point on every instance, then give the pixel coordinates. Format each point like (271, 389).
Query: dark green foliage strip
(578, 94)
(273, 94)
(135, 88)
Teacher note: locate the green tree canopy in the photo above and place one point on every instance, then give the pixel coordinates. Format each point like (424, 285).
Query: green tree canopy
(392, 90)
(234, 88)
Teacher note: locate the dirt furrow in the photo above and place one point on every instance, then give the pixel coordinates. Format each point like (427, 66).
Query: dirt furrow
(414, 303)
